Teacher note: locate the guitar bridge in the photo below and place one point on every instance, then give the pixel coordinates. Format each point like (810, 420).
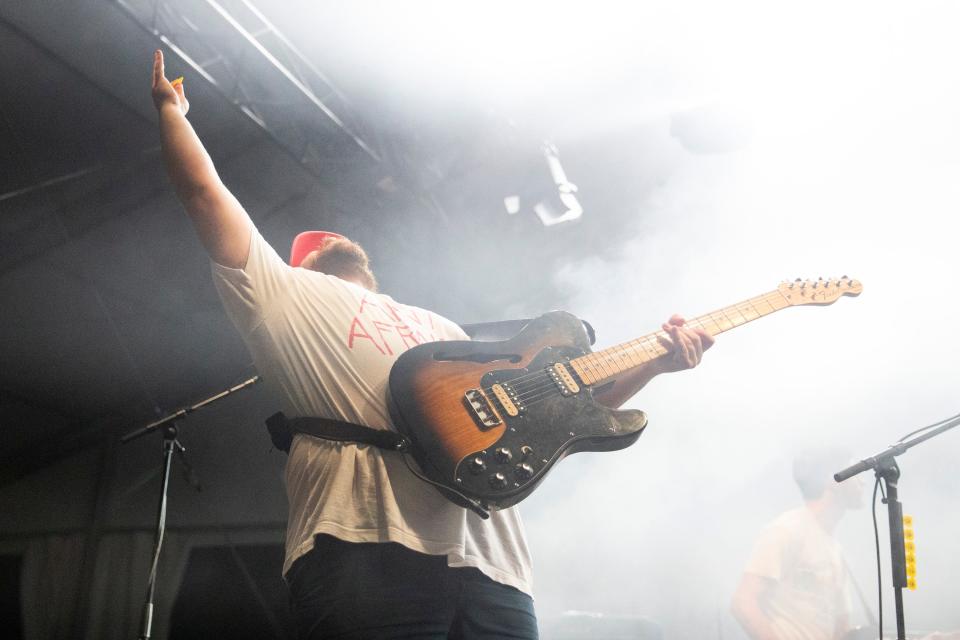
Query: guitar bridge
(481, 410)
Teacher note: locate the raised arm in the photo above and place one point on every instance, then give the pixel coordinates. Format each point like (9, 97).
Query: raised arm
(221, 223)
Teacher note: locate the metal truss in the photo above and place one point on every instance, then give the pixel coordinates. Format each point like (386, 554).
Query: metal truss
(236, 49)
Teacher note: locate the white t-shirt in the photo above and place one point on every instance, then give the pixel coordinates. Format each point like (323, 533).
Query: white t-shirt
(327, 346)
(810, 595)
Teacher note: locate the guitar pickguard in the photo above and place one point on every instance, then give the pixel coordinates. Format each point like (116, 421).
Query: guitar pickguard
(551, 423)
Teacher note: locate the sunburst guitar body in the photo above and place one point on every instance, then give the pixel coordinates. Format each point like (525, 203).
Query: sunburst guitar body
(489, 419)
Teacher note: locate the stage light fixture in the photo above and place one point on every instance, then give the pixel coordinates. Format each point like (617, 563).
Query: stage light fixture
(555, 202)
(561, 205)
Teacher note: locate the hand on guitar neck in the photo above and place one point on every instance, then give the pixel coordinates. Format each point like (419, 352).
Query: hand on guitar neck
(685, 346)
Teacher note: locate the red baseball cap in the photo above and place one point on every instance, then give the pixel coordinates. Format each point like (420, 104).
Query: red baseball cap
(306, 242)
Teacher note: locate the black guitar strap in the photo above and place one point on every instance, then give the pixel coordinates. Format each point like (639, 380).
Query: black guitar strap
(282, 428)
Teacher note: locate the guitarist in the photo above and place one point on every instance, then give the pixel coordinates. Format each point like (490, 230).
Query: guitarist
(370, 550)
(796, 585)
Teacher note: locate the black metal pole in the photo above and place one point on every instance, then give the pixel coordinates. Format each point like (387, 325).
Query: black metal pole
(885, 467)
(176, 415)
(170, 443)
(889, 472)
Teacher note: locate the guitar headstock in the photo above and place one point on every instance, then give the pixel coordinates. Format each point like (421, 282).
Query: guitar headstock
(819, 291)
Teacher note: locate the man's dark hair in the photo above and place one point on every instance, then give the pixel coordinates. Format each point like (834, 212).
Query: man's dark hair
(343, 258)
(813, 469)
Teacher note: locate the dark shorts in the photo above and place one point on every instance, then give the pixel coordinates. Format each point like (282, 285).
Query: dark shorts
(384, 590)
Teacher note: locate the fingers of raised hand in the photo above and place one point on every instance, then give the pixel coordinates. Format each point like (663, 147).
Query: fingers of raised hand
(165, 92)
(157, 68)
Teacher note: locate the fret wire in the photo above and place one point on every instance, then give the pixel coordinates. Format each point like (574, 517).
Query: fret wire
(736, 309)
(618, 358)
(649, 348)
(585, 372)
(764, 300)
(753, 305)
(724, 317)
(609, 365)
(654, 347)
(767, 300)
(745, 309)
(596, 367)
(624, 358)
(613, 359)
(629, 355)
(641, 352)
(648, 353)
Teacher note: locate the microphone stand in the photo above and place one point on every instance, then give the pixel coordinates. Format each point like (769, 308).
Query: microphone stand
(170, 444)
(884, 465)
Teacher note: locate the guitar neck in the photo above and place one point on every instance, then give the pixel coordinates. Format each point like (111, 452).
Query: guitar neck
(600, 366)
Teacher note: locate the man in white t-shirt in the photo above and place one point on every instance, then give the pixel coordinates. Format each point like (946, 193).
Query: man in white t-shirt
(371, 551)
(796, 585)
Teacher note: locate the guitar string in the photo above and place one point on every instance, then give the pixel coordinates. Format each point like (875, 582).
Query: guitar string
(535, 391)
(646, 343)
(532, 383)
(522, 384)
(532, 396)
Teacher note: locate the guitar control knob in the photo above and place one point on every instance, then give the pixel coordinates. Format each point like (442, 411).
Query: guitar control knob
(523, 471)
(503, 455)
(498, 481)
(526, 451)
(477, 465)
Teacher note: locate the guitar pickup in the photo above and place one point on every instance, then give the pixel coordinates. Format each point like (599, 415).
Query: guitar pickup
(563, 379)
(482, 412)
(508, 399)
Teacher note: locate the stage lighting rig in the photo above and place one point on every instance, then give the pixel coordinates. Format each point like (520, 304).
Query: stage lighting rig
(554, 202)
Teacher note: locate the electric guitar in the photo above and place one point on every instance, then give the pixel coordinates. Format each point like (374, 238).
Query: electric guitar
(488, 420)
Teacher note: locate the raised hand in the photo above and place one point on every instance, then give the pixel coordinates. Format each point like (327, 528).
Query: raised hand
(166, 93)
